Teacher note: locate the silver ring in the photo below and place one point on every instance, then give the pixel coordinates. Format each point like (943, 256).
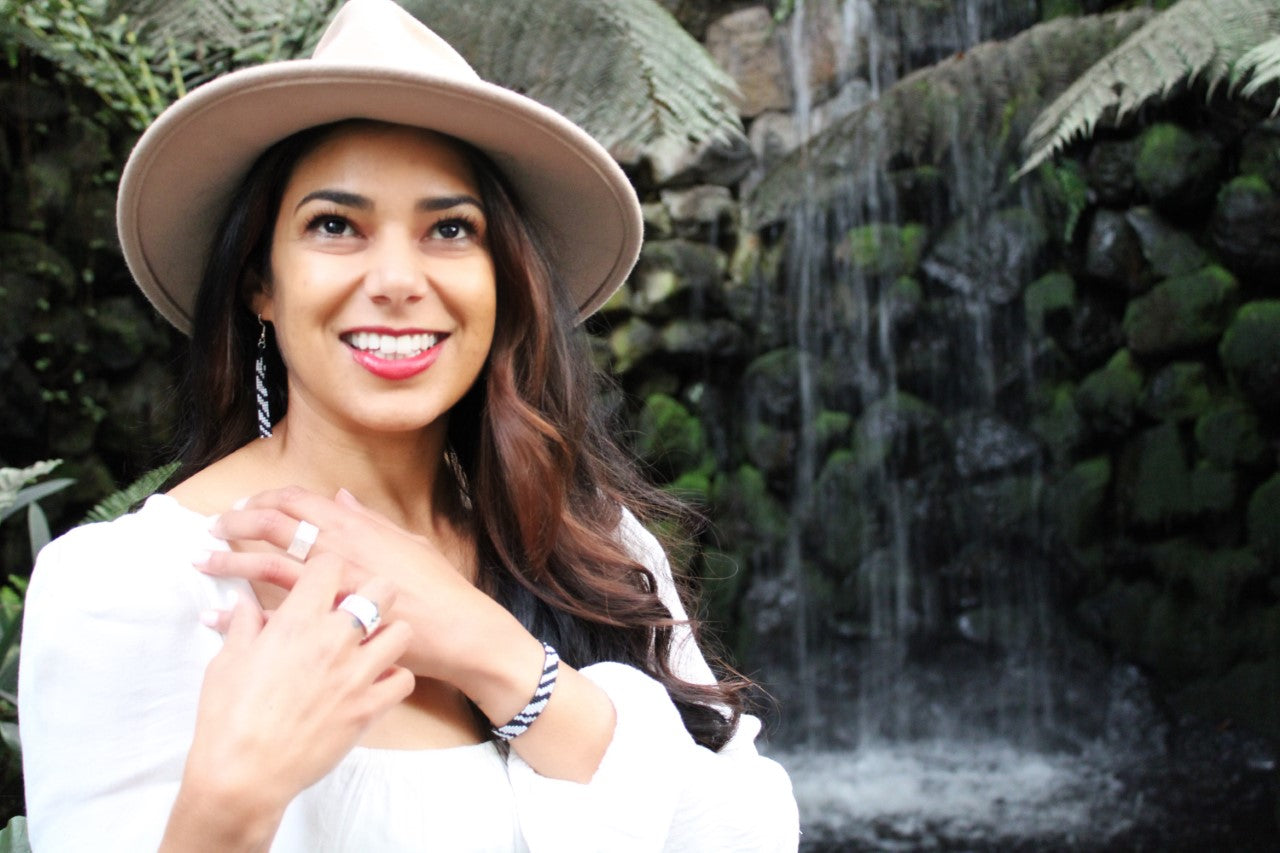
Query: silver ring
(363, 612)
(303, 538)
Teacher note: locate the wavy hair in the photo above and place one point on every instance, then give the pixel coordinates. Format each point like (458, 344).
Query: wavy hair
(539, 480)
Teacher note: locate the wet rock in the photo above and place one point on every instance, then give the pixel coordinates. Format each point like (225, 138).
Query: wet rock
(902, 304)
(1246, 225)
(1109, 172)
(1182, 312)
(704, 338)
(747, 515)
(631, 343)
(901, 434)
(1057, 423)
(1260, 153)
(1177, 169)
(747, 45)
(673, 274)
(1107, 399)
(1004, 506)
(985, 443)
(989, 260)
(1250, 352)
(1113, 252)
(921, 192)
(1078, 501)
(701, 213)
(1049, 302)
(771, 449)
(657, 221)
(830, 430)
(771, 383)
(1157, 486)
(884, 250)
(1178, 392)
(836, 520)
(668, 437)
(1169, 251)
(1229, 434)
(1215, 578)
(1093, 334)
(1263, 520)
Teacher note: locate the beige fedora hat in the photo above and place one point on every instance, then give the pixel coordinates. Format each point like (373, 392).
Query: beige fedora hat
(375, 61)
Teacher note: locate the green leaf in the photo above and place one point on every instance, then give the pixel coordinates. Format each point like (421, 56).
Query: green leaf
(37, 528)
(13, 838)
(34, 493)
(118, 503)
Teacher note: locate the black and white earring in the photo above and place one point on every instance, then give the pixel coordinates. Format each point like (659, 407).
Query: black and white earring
(260, 382)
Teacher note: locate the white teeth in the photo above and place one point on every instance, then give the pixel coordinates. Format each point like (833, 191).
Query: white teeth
(391, 346)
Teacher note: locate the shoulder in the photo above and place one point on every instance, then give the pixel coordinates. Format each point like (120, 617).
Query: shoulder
(138, 562)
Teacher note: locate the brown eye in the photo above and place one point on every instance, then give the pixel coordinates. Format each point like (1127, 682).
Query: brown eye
(329, 225)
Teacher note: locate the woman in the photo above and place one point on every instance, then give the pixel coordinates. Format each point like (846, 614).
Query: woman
(395, 250)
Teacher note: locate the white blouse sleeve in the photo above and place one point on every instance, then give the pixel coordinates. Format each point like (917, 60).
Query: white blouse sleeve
(113, 653)
(656, 789)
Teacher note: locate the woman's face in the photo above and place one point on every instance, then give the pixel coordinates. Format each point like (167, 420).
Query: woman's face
(382, 287)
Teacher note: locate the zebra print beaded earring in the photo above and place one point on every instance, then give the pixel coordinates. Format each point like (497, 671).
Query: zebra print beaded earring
(260, 382)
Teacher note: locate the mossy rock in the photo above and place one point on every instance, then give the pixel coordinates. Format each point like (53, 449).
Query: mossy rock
(1113, 252)
(884, 250)
(1049, 302)
(1250, 352)
(1079, 500)
(1182, 312)
(770, 448)
(1107, 399)
(744, 512)
(1154, 478)
(1184, 640)
(1215, 578)
(692, 487)
(902, 302)
(720, 582)
(715, 338)
(670, 274)
(991, 260)
(631, 343)
(1263, 520)
(836, 520)
(1260, 153)
(1246, 226)
(771, 382)
(1177, 169)
(901, 433)
(1169, 250)
(668, 437)
(1228, 434)
(1242, 697)
(830, 429)
(1179, 391)
(1057, 423)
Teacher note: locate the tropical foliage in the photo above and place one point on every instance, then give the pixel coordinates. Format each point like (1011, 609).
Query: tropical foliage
(623, 69)
(1215, 42)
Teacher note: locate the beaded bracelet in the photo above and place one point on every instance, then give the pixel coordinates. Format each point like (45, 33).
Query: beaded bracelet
(520, 722)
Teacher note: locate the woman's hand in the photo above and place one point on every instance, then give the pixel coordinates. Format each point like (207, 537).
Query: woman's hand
(281, 704)
(456, 627)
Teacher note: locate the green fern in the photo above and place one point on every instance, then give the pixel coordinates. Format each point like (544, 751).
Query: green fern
(1193, 40)
(118, 503)
(1260, 66)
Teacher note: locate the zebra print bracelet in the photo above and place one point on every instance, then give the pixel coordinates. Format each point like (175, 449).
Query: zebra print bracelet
(520, 722)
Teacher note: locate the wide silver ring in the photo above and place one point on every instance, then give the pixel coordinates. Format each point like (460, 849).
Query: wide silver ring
(363, 611)
(303, 538)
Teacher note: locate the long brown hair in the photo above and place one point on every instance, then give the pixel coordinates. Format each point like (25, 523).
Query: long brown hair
(542, 482)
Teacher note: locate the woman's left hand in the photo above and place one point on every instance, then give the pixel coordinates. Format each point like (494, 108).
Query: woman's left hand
(452, 620)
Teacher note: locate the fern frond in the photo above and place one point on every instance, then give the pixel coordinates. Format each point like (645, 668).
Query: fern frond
(118, 503)
(1260, 66)
(1191, 40)
(981, 101)
(623, 69)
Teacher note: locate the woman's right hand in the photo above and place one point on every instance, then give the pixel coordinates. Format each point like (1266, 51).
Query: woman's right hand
(281, 704)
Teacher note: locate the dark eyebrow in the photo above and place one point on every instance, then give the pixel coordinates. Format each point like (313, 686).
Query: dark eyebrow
(448, 201)
(337, 197)
(360, 202)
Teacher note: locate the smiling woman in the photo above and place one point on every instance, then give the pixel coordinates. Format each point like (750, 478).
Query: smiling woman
(397, 596)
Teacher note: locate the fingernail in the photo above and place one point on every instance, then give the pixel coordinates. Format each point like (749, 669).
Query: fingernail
(200, 559)
(240, 504)
(209, 618)
(212, 522)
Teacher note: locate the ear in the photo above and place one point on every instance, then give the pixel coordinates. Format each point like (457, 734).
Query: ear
(262, 304)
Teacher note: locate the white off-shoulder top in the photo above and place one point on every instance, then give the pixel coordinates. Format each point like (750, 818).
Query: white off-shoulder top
(113, 655)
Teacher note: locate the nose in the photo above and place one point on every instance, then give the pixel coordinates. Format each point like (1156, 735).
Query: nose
(396, 273)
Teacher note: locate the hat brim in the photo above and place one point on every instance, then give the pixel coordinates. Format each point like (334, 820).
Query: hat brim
(186, 166)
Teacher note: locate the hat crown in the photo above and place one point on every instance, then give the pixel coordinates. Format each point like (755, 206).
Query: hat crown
(378, 33)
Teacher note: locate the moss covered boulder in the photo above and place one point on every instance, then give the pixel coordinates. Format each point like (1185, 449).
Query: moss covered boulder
(1228, 433)
(1179, 391)
(669, 437)
(1176, 168)
(1182, 312)
(1078, 501)
(884, 250)
(1250, 352)
(1107, 399)
(1049, 302)
(1159, 487)
(1263, 520)
(1246, 226)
